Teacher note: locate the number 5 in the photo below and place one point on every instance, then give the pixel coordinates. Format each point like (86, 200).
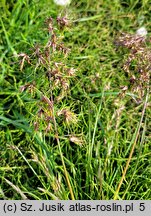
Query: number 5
(142, 206)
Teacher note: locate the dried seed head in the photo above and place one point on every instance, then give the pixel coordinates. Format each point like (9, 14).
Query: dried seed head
(57, 82)
(36, 126)
(129, 40)
(49, 23)
(23, 88)
(69, 116)
(71, 72)
(61, 95)
(76, 140)
(132, 79)
(40, 112)
(62, 22)
(49, 127)
(26, 58)
(138, 64)
(123, 88)
(29, 86)
(65, 84)
(47, 101)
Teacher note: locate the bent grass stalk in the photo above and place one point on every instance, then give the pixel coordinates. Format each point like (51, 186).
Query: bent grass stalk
(17, 189)
(133, 147)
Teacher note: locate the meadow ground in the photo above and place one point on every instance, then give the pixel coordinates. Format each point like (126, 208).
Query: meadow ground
(74, 117)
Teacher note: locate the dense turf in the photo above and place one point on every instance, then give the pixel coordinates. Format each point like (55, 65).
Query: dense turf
(94, 143)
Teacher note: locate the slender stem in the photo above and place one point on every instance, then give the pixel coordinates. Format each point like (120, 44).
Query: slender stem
(61, 155)
(133, 147)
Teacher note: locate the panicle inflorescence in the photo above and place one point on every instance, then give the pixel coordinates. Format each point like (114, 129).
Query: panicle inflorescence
(138, 62)
(48, 59)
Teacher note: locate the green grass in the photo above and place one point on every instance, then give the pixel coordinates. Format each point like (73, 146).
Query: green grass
(105, 154)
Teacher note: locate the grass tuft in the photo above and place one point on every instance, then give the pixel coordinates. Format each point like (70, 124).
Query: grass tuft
(75, 100)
